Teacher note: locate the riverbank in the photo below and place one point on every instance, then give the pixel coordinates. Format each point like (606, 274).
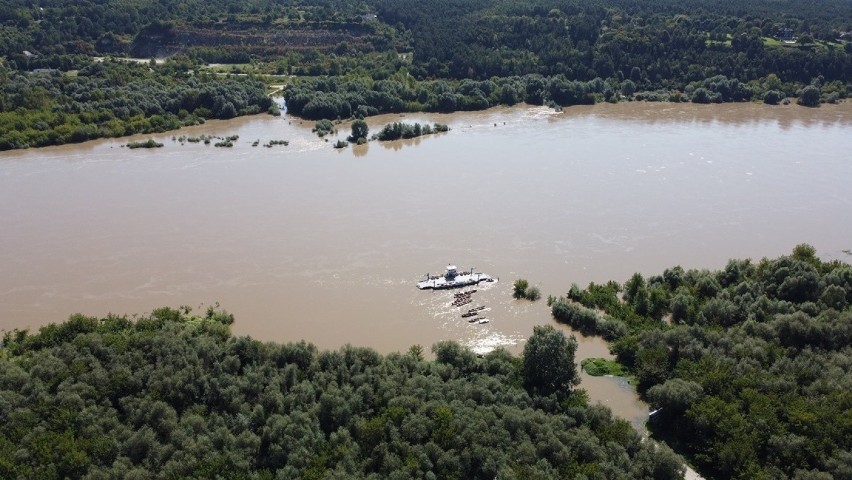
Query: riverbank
(150, 98)
(357, 413)
(113, 99)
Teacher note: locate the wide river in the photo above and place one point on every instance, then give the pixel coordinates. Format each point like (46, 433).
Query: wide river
(308, 242)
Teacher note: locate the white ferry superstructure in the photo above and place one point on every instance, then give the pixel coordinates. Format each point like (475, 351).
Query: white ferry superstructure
(453, 279)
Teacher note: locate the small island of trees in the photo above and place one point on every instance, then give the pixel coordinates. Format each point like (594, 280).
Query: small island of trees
(360, 130)
(522, 289)
(150, 143)
(400, 130)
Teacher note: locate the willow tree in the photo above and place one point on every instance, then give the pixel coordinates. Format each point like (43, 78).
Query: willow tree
(549, 362)
(360, 130)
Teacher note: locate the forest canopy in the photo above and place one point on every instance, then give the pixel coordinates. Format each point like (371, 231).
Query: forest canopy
(175, 395)
(113, 99)
(751, 365)
(353, 59)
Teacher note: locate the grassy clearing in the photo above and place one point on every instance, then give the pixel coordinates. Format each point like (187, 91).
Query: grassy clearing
(598, 367)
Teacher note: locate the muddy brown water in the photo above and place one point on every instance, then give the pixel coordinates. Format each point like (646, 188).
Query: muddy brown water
(308, 242)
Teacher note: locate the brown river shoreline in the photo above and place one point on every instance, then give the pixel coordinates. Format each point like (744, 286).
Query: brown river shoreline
(308, 242)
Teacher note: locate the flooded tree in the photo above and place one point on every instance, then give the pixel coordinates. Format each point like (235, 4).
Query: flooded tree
(360, 130)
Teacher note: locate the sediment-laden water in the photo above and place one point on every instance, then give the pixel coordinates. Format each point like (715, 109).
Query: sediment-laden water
(308, 242)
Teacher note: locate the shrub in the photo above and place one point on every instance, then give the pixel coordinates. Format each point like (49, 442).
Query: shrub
(520, 288)
(771, 97)
(809, 96)
(150, 143)
(323, 127)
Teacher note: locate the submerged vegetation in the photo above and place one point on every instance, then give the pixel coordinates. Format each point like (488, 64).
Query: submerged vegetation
(177, 395)
(323, 127)
(522, 289)
(150, 143)
(227, 142)
(749, 365)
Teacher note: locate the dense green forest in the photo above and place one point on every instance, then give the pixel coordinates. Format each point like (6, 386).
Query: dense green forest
(112, 99)
(173, 395)
(347, 58)
(751, 365)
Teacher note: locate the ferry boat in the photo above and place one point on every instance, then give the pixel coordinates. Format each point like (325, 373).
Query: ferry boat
(453, 279)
